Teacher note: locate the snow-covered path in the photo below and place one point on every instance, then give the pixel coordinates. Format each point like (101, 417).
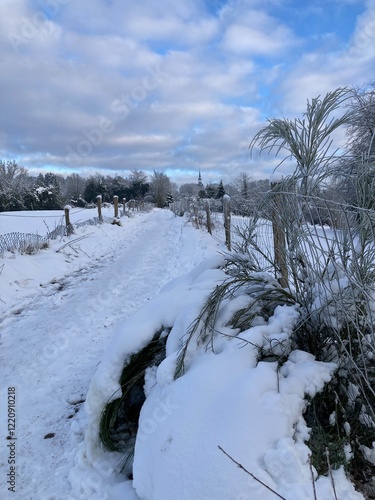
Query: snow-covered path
(52, 343)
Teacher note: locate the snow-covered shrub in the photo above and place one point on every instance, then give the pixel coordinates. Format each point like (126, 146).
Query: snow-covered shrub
(253, 298)
(331, 271)
(331, 274)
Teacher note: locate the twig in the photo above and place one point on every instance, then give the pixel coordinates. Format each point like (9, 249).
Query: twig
(250, 474)
(87, 255)
(312, 478)
(45, 223)
(69, 243)
(330, 473)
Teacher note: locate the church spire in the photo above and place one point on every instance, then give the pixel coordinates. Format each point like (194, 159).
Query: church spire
(200, 183)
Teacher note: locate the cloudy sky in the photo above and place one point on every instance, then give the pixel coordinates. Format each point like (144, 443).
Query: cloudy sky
(173, 85)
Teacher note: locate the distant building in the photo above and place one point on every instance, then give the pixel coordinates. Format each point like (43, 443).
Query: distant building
(200, 183)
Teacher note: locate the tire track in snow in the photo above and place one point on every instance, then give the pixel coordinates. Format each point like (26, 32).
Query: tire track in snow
(51, 351)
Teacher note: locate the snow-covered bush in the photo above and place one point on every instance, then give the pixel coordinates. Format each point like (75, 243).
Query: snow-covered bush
(211, 362)
(331, 275)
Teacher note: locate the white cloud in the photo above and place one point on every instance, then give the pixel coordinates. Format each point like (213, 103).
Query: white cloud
(362, 45)
(317, 73)
(244, 40)
(218, 78)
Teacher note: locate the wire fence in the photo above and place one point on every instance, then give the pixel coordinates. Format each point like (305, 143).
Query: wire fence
(22, 243)
(326, 257)
(28, 243)
(31, 243)
(327, 248)
(329, 255)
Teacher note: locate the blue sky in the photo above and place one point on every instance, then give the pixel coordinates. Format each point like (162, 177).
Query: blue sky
(109, 86)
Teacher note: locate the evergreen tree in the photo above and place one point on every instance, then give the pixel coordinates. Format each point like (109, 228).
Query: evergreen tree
(96, 185)
(118, 186)
(220, 191)
(202, 193)
(211, 191)
(90, 192)
(139, 186)
(47, 191)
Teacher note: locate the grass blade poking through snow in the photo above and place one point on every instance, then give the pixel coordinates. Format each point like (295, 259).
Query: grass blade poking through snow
(243, 278)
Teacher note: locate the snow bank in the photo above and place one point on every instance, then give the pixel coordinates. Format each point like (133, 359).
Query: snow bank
(181, 298)
(188, 291)
(227, 397)
(249, 408)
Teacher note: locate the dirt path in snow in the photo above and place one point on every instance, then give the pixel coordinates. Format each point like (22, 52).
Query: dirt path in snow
(50, 350)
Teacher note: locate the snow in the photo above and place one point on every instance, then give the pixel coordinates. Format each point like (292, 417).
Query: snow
(276, 178)
(43, 221)
(70, 318)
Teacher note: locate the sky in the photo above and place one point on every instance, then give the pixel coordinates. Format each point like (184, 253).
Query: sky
(107, 86)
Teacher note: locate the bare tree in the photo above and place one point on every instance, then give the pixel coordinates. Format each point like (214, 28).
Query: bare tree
(242, 183)
(189, 190)
(160, 187)
(360, 146)
(12, 176)
(14, 183)
(361, 127)
(74, 187)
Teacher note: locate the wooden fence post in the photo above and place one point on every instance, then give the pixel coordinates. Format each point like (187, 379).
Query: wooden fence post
(124, 204)
(115, 203)
(69, 227)
(208, 214)
(279, 242)
(226, 213)
(99, 202)
(195, 212)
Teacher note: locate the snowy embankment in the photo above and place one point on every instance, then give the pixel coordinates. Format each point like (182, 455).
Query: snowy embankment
(68, 341)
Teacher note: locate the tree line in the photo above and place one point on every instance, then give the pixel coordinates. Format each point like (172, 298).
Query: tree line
(327, 175)
(21, 191)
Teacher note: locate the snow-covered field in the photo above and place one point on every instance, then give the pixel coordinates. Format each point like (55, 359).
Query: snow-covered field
(44, 221)
(70, 317)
